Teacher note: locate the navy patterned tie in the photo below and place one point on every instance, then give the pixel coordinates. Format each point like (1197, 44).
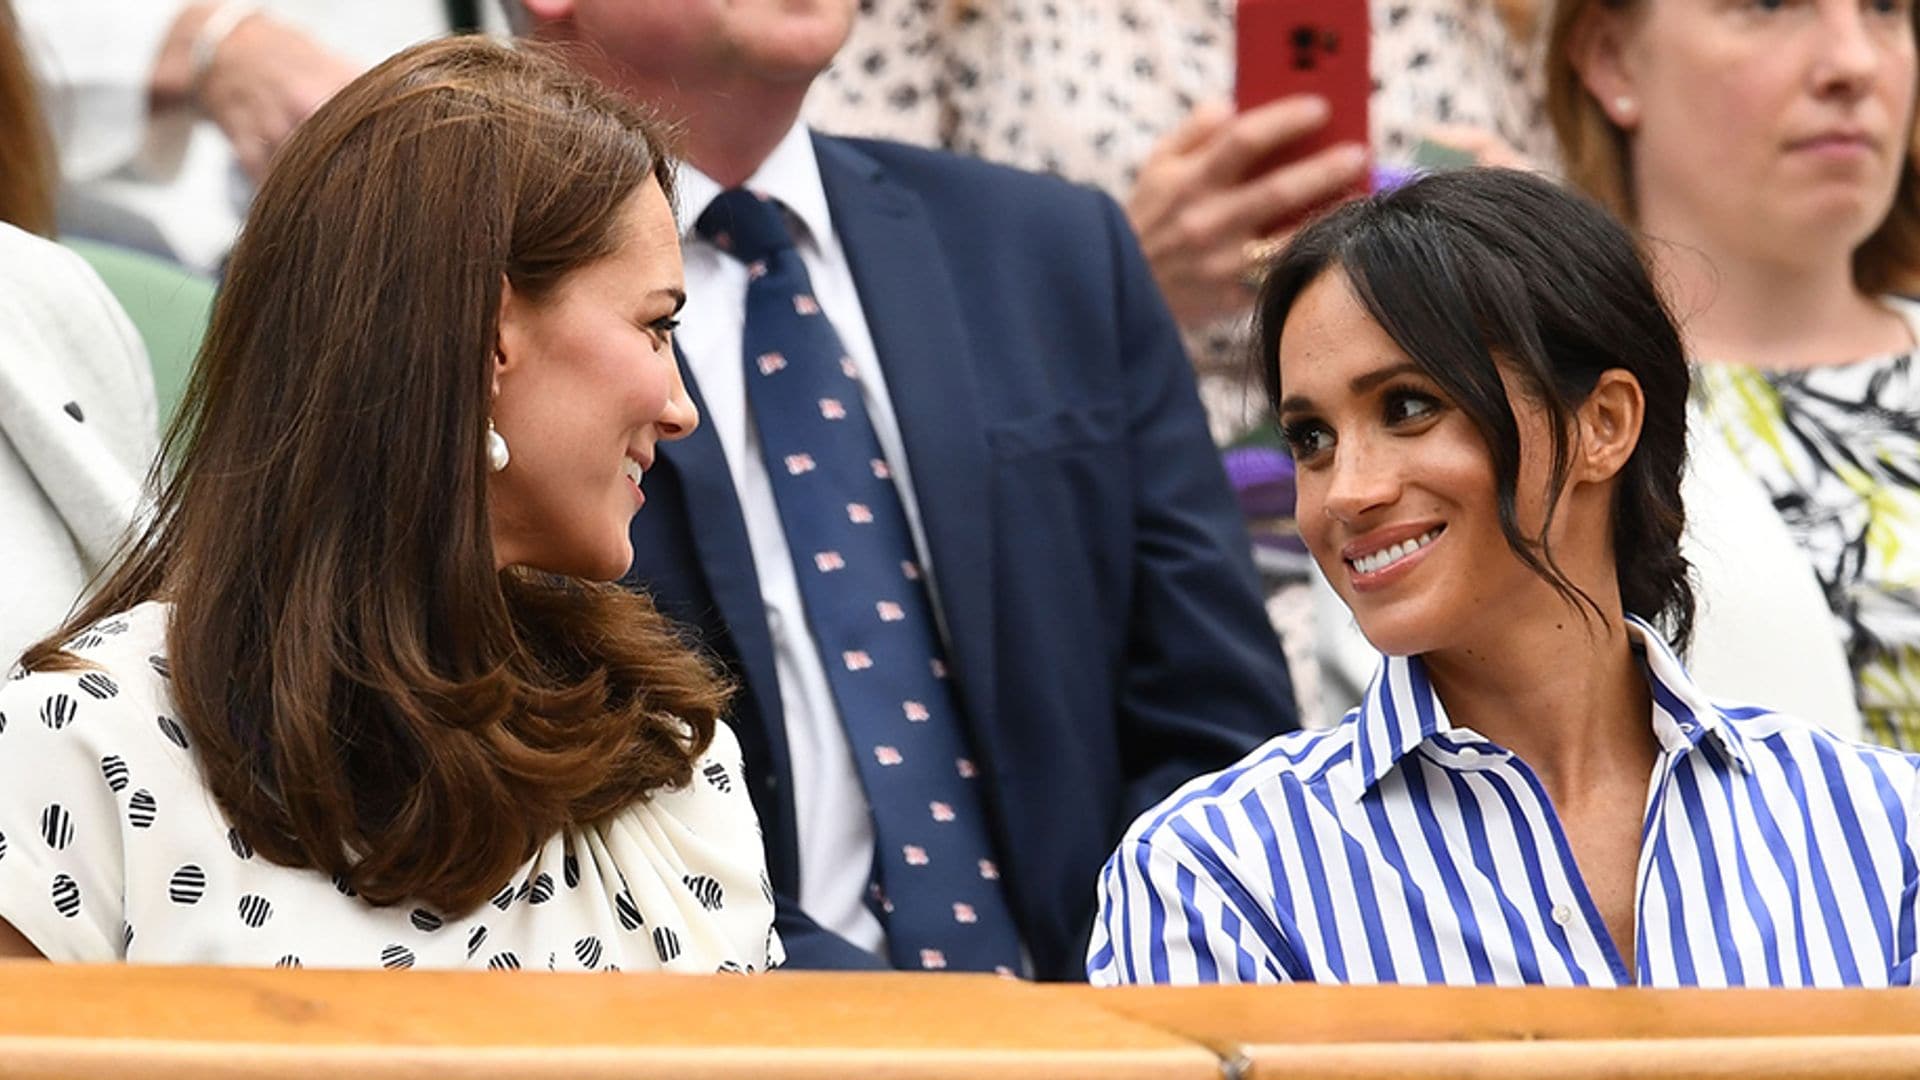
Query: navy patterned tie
(936, 889)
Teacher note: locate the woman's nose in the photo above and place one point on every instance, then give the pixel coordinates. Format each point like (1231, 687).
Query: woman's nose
(679, 419)
(1362, 479)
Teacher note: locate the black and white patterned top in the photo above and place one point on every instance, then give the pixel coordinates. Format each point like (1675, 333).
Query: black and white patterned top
(111, 849)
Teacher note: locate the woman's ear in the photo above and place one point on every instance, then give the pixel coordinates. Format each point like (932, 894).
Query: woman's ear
(511, 337)
(1597, 49)
(1609, 422)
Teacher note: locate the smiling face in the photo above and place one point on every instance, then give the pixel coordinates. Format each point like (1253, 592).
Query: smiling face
(1397, 498)
(1767, 127)
(587, 388)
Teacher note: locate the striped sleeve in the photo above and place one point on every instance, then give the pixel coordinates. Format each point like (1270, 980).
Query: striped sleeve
(1172, 915)
(1902, 973)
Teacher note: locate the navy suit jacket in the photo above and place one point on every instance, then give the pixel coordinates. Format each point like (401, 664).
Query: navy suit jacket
(1104, 621)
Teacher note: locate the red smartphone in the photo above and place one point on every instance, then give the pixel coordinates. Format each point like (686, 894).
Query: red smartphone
(1319, 47)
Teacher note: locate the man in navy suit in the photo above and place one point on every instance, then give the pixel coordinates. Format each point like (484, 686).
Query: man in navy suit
(1089, 570)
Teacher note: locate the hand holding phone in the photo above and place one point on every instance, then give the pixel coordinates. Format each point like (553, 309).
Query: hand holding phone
(1201, 206)
(1316, 48)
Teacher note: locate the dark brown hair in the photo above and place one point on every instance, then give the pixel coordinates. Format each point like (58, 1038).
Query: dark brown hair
(27, 173)
(1598, 160)
(366, 694)
(1480, 270)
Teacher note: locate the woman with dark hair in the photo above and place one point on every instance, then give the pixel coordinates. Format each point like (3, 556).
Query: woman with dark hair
(357, 697)
(1487, 403)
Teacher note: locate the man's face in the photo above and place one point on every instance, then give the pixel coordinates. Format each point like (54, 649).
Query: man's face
(686, 43)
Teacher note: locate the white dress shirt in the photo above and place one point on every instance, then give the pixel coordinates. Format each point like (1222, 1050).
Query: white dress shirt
(834, 823)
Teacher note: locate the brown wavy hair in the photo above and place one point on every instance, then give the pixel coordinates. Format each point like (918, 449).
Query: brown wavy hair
(1598, 158)
(366, 694)
(27, 173)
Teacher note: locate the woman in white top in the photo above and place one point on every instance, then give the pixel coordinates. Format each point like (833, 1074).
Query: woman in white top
(1763, 149)
(355, 698)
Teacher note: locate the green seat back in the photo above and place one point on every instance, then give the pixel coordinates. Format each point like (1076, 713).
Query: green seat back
(169, 306)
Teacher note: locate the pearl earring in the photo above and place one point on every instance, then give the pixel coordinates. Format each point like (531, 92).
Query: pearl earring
(497, 456)
(1624, 109)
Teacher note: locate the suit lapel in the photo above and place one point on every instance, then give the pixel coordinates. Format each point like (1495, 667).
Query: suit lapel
(913, 313)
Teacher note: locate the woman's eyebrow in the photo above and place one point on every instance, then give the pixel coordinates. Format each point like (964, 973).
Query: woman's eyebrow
(1360, 384)
(1365, 382)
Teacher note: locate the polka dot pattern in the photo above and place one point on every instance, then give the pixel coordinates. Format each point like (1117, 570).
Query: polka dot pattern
(100, 784)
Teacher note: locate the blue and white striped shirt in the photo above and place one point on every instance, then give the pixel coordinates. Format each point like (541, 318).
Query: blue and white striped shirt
(1398, 848)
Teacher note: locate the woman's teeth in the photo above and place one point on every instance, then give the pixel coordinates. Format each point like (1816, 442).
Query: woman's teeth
(1387, 556)
(634, 472)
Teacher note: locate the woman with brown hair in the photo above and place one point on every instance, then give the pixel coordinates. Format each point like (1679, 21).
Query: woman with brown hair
(1764, 150)
(26, 151)
(356, 696)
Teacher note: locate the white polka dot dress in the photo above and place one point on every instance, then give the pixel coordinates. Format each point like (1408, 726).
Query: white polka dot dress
(111, 848)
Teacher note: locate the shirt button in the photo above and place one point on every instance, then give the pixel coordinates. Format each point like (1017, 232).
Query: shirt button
(1562, 914)
(1469, 754)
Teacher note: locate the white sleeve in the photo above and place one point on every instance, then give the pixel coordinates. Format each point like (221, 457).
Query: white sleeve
(94, 59)
(62, 876)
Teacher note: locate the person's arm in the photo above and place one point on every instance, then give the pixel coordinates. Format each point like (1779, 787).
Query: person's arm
(1204, 680)
(256, 77)
(812, 947)
(1200, 207)
(108, 67)
(14, 945)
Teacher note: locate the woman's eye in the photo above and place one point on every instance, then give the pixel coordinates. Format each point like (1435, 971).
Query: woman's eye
(662, 330)
(1406, 407)
(1307, 439)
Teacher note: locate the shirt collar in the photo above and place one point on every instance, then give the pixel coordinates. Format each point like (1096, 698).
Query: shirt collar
(1401, 711)
(790, 175)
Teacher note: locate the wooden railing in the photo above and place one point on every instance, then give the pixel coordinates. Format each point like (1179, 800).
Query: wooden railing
(315, 1025)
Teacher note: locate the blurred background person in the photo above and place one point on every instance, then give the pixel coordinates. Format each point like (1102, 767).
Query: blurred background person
(167, 113)
(1765, 153)
(1134, 97)
(361, 694)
